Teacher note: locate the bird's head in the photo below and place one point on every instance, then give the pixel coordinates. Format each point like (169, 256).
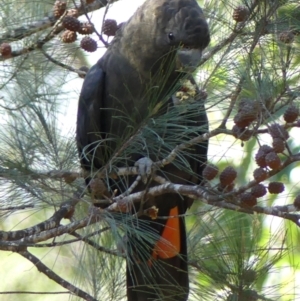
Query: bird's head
(161, 27)
(185, 29)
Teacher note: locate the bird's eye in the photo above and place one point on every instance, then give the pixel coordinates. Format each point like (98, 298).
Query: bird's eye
(171, 36)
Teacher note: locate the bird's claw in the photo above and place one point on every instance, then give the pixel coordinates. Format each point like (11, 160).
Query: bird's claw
(145, 168)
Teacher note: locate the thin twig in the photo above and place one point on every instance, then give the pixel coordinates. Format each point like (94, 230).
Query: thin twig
(64, 66)
(53, 276)
(32, 293)
(96, 246)
(24, 31)
(51, 223)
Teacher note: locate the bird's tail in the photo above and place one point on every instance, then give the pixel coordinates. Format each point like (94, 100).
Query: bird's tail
(157, 258)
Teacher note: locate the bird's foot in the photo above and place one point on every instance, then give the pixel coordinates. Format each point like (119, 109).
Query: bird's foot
(145, 168)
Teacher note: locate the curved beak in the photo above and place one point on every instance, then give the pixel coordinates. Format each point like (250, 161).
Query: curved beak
(188, 59)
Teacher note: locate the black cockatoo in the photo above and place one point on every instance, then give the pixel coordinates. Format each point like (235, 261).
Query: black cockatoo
(127, 111)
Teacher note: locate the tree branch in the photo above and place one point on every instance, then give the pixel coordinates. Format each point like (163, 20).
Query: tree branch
(23, 31)
(53, 276)
(36, 26)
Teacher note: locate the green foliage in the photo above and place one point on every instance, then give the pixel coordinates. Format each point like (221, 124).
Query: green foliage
(232, 255)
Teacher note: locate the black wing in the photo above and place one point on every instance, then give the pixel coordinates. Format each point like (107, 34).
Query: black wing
(88, 131)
